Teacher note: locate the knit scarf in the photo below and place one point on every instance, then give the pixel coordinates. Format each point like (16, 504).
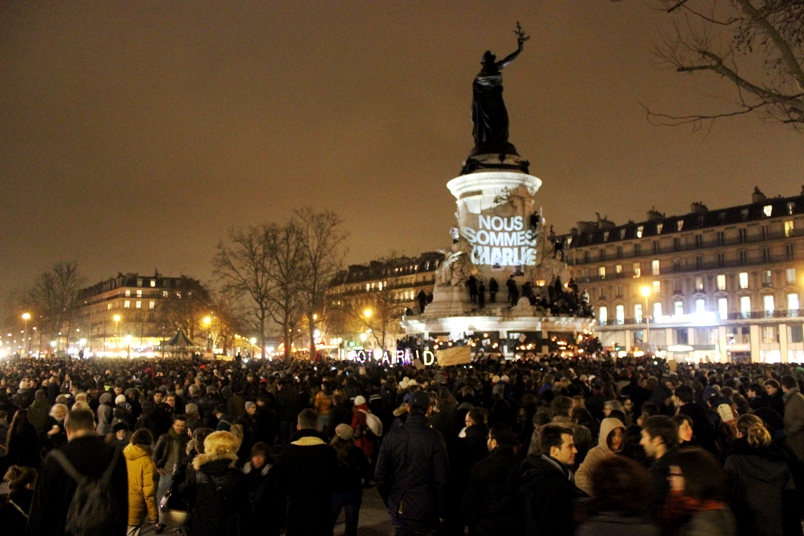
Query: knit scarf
(679, 508)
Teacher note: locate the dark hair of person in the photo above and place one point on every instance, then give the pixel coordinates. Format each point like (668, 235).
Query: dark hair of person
(220, 408)
(753, 430)
(551, 437)
(664, 427)
(561, 405)
(772, 383)
(755, 387)
(478, 415)
(182, 418)
(684, 393)
(142, 437)
(18, 477)
(326, 388)
(621, 485)
(703, 477)
(789, 382)
(649, 409)
(80, 419)
(261, 448)
(617, 414)
(308, 419)
(342, 447)
(680, 418)
(503, 434)
(445, 397)
(199, 436)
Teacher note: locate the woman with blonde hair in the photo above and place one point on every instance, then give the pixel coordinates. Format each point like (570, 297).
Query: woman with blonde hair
(765, 497)
(56, 433)
(142, 481)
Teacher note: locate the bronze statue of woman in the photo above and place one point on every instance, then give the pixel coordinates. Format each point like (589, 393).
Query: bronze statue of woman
(489, 115)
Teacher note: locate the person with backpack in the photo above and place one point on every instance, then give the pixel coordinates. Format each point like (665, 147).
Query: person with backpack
(82, 488)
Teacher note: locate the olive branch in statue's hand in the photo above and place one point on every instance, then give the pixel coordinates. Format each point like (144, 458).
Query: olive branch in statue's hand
(521, 36)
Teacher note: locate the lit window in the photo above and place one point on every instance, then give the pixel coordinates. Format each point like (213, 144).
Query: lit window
(639, 231)
(109, 306)
(164, 293)
(619, 313)
(678, 308)
(657, 287)
(767, 278)
(743, 280)
(138, 304)
(637, 270)
(127, 304)
(602, 272)
(139, 294)
(602, 316)
(657, 310)
(790, 275)
(700, 306)
(659, 228)
(128, 293)
(638, 313)
(721, 282)
(618, 268)
(792, 302)
(680, 224)
(368, 287)
(745, 306)
(152, 305)
(153, 283)
(723, 308)
(699, 283)
(654, 267)
(790, 206)
(768, 210)
(789, 228)
(767, 301)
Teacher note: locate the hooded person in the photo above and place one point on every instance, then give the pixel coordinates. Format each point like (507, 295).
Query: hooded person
(214, 491)
(38, 412)
(142, 480)
(610, 442)
(105, 415)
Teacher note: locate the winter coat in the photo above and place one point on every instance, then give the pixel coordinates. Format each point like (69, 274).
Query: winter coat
(582, 477)
(235, 407)
(105, 414)
(12, 519)
(55, 488)
(163, 446)
(411, 474)
(794, 421)
(38, 413)
(215, 494)
(52, 441)
(142, 480)
(266, 514)
(24, 448)
(363, 436)
(287, 401)
(493, 502)
(549, 493)
(348, 477)
(615, 524)
(764, 497)
(306, 474)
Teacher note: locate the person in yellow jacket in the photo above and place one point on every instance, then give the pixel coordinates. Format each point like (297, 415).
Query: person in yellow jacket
(142, 480)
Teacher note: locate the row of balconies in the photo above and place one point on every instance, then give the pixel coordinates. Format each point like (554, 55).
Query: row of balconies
(753, 315)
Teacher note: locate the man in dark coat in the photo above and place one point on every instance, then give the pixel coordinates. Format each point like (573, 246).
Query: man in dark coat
(411, 472)
(287, 401)
(493, 502)
(547, 484)
(660, 441)
(90, 456)
(702, 429)
(306, 472)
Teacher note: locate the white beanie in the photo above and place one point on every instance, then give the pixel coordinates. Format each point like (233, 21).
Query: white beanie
(121, 399)
(360, 400)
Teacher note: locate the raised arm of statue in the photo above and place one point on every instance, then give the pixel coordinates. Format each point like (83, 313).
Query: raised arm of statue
(520, 40)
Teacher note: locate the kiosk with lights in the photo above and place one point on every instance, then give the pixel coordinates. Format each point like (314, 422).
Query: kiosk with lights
(503, 285)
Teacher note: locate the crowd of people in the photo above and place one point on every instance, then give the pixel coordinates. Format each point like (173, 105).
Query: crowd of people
(543, 446)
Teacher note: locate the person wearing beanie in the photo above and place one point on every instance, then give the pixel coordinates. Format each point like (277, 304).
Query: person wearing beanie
(412, 465)
(347, 493)
(104, 415)
(38, 412)
(121, 437)
(364, 438)
(142, 479)
(216, 508)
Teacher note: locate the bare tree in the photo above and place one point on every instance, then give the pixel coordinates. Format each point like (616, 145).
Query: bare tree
(243, 264)
(322, 250)
(286, 272)
(378, 311)
(756, 46)
(185, 307)
(53, 298)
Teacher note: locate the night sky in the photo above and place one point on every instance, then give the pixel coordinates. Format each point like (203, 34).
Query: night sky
(133, 134)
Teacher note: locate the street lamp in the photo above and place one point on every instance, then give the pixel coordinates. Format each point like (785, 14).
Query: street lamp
(645, 291)
(208, 324)
(117, 329)
(26, 317)
(253, 342)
